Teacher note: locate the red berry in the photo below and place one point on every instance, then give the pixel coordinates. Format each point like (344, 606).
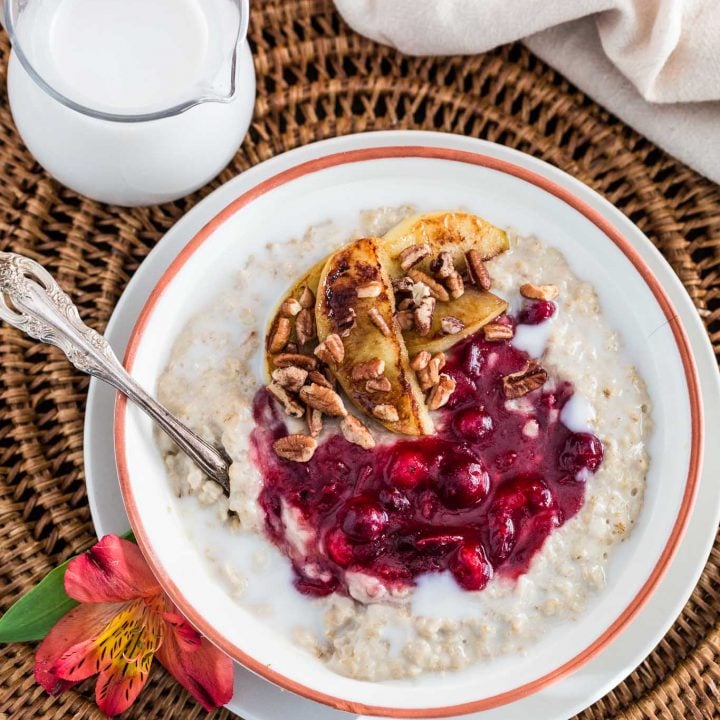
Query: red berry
(463, 482)
(408, 469)
(581, 451)
(502, 536)
(473, 424)
(365, 520)
(465, 390)
(471, 567)
(536, 311)
(338, 547)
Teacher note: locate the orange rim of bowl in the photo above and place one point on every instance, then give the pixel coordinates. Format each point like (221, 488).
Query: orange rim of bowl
(437, 153)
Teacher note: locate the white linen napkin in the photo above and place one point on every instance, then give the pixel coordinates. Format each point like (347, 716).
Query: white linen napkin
(653, 63)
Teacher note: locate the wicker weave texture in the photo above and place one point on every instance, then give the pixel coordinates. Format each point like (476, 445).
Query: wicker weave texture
(317, 79)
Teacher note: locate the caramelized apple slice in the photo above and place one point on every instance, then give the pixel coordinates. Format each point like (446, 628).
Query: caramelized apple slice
(353, 283)
(473, 309)
(453, 232)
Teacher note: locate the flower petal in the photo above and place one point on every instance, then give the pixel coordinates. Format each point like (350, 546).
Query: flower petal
(206, 672)
(187, 636)
(70, 634)
(118, 687)
(112, 570)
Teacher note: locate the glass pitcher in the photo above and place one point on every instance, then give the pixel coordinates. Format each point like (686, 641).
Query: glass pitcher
(131, 102)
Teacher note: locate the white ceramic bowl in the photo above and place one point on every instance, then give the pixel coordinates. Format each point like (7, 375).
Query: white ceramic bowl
(337, 187)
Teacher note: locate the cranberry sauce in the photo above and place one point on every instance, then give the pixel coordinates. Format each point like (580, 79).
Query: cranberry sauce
(479, 498)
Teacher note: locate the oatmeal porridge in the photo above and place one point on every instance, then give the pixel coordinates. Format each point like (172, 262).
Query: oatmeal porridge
(384, 555)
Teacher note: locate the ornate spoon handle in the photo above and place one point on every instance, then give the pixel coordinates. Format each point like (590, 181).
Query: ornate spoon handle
(33, 302)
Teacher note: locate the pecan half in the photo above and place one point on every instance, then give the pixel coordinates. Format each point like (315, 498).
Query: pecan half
(305, 326)
(403, 284)
(419, 292)
(315, 376)
(331, 349)
(307, 297)
(441, 393)
(388, 413)
(291, 378)
(413, 255)
(291, 407)
(436, 289)
(303, 361)
(314, 421)
(405, 319)
(451, 325)
(324, 399)
(290, 307)
(455, 285)
(367, 370)
(478, 272)
(346, 325)
(379, 321)
(371, 290)
(497, 331)
(421, 360)
(355, 432)
(381, 384)
(539, 292)
(530, 378)
(423, 315)
(280, 336)
(443, 265)
(298, 448)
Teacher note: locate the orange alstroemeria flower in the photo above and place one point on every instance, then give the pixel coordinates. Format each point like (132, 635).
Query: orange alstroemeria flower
(123, 621)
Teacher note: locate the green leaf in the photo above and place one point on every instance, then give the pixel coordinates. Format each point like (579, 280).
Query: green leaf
(34, 614)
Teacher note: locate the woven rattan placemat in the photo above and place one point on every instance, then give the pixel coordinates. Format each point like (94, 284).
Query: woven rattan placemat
(317, 79)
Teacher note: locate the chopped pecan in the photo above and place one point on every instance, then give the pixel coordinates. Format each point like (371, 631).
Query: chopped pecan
(291, 407)
(478, 272)
(346, 325)
(402, 284)
(419, 292)
(441, 393)
(290, 307)
(307, 297)
(530, 378)
(305, 326)
(291, 378)
(421, 360)
(298, 448)
(314, 421)
(455, 285)
(413, 255)
(355, 432)
(443, 265)
(497, 331)
(381, 384)
(303, 361)
(539, 292)
(324, 399)
(436, 289)
(378, 321)
(405, 319)
(423, 315)
(331, 349)
(440, 360)
(388, 413)
(451, 325)
(315, 376)
(371, 290)
(367, 370)
(280, 336)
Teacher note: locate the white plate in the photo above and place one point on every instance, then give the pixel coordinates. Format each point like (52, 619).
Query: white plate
(595, 683)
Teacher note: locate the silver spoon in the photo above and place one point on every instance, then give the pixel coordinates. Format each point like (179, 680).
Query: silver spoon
(33, 302)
